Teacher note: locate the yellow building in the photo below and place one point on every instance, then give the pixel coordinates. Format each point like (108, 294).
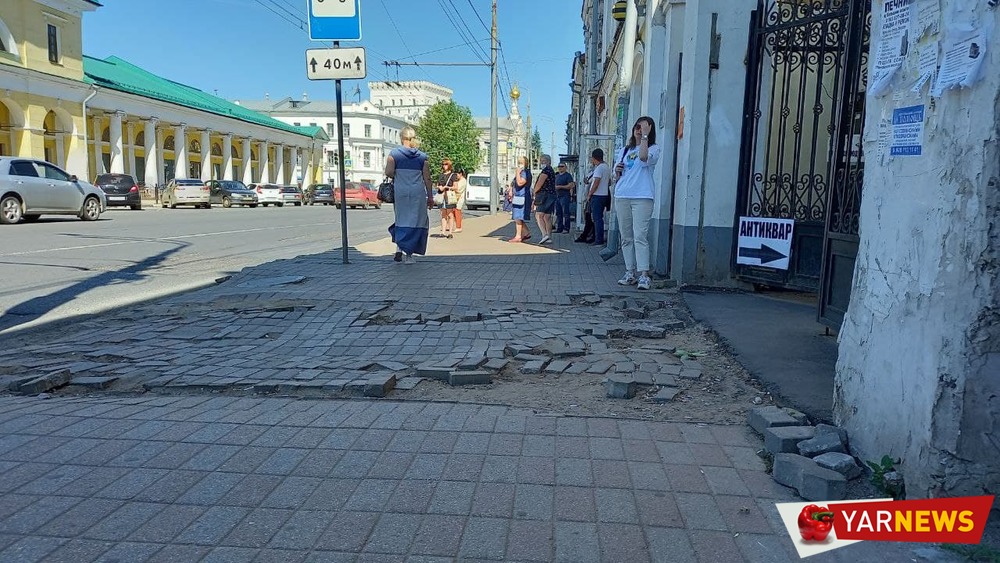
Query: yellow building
(92, 116)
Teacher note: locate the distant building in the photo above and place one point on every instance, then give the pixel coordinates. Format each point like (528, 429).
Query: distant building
(512, 140)
(407, 100)
(369, 133)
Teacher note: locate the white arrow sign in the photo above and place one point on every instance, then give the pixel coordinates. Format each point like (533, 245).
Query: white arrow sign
(336, 64)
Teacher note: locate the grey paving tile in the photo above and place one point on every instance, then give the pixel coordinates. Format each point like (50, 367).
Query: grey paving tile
(484, 538)
(331, 494)
(371, 495)
(37, 514)
(622, 542)
(129, 551)
(472, 443)
(576, 542)
(572, 471)
(744, 458)
(318, 463)
(31, 548)
(764, 548)
(500, 469)
(697, 433)
(211, 489)
(572, 446)
(257, 529)
(464, 467)
(166, 524)
(213, 525)
(393, 533)
(670, 544)
(281, 556)
(687, 478)
(406, 441)
(452, 497)
(302, 530)
(699, 511)
(252, 490)
(354, 464)
(665, 431)
(246, 460)
(320, 556)
(291, 492)
(439, 442)
(742, 514)
(659, 509)
(56, 479)
(348, 532)
(494, 500)
(81, 517)
(391, 465)
(575, 504)
(530, 541)
(724, 481)
(427, 466)
(11, 503)
(534, 502)
(650, 476)
(616, 506)
(411, 496)
(282, 462)
(230, 555)
(22, 474)
(210, 459)
(77, 550)
(715, 547)
(611, 473)
(170, 486)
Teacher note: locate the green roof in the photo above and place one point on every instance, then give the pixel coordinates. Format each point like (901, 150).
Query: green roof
(118, 74)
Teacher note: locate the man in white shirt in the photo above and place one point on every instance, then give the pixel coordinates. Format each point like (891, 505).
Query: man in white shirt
(598, 195)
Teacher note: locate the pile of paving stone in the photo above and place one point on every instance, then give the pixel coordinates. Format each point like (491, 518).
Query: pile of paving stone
(813, 460)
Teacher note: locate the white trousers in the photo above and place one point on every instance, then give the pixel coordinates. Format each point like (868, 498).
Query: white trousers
(633, 223)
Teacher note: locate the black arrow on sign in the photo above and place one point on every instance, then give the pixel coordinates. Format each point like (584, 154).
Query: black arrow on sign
(313, 63)
(765, 254)
(357, 62)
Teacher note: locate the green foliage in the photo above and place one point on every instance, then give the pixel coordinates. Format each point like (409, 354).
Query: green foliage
(536, 148)
(447, 130)
(879, 470)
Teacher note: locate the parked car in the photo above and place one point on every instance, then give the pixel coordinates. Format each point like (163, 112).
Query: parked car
(292, 195)
(320, 193)
(268, 194)
(231, 192)
(185, 191)
(122, 190)
(477, 194)
(30, 188)
(359, 195)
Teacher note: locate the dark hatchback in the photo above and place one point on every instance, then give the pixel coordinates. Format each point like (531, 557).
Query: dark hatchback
(121, 189)
(231, 192)
(320, 193)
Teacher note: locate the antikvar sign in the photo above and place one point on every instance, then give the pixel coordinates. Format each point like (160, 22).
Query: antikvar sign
(765, 242)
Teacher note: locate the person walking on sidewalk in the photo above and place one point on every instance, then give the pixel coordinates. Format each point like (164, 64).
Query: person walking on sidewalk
(519, 194)
(545, 198)
(634, 194)
(461, 185)
(448, 198)
(587, 236)
(411, 176)
(564, 190)
(598, 196)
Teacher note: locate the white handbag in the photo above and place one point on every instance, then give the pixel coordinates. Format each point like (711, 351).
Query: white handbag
(517, 201)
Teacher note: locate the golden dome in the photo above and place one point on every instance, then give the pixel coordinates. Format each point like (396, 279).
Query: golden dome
(515, 93)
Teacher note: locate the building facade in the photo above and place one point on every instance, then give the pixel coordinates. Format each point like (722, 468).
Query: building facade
(407, 100)
(92, 116)
(511, 142)
(369, 134)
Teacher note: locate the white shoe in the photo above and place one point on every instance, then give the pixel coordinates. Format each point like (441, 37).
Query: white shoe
(545, 239)
(409, 259)
(628, 279)
(644, 282)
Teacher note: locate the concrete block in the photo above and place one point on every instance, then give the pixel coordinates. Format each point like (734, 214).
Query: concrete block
(393, 366)
(556, 366)
(806, 476)
(643, 378)
(600, 333)
(665, 395)
(600, 367)
(470, 378)
(821, 444)
(379, 385)
(533, 367)
(841, 463)
(563, 349)
(94, 382)
(827, 429)
(646, 331)
(624, 367)
(690, 374)
(441, 318)
(496, 364)
(762, 418)
(635, 313)
(672, 369)
(785, 439)
(472, 363)
(434, 372)
(591, 299)
(45, 383)
(618, 387)
(664, 379)
(802, 419)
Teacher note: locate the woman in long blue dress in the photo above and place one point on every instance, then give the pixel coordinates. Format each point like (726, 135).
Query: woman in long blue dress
(520, 189)
(411, 176)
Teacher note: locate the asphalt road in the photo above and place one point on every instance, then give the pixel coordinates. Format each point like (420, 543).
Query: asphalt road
(61, 267)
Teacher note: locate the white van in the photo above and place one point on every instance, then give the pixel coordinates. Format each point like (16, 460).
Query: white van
(478, 193)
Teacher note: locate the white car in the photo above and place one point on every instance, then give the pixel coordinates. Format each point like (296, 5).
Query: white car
(268, 194)
(477, 194)
(184, 191)
(30, 188)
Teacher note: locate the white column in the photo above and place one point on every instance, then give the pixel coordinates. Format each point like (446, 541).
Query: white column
(265, 163)
(279, 157)
(307, 166)
(117, 159)
(247, 162)
(153, 168)
(180, 151)
(227, 157)
(61, 150)
(97, 130)
(130, 149)
(206, 154)
(296, 160)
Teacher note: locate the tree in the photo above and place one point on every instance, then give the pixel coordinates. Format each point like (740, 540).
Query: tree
(536, 147)
(447, 130)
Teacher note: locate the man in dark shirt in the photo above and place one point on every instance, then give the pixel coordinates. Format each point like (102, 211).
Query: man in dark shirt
(564, 190)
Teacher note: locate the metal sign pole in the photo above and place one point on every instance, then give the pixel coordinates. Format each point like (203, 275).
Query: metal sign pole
(340, 164)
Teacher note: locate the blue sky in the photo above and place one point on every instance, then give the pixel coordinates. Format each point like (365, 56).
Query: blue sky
(241, 49)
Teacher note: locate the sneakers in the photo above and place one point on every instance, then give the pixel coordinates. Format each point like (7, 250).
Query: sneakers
(644, 282)
(409, 259)
(545, 239)
(628, 279)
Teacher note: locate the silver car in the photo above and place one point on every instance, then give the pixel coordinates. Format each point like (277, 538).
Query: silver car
(181, 191)
(30, 188)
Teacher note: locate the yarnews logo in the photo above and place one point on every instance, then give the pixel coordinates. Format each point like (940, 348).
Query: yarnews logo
(817, 527)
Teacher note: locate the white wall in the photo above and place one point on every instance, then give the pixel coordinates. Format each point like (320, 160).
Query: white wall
(919, 366)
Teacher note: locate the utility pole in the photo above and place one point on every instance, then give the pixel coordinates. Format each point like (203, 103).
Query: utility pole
(530, 137)
(494, 150)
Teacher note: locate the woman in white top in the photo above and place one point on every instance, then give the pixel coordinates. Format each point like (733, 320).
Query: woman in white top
(634, 200)
(461, 185)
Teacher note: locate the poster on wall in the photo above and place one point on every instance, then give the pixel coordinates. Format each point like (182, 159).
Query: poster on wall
(963, 54)
(893, 44)
(765, 242)
(907, 131)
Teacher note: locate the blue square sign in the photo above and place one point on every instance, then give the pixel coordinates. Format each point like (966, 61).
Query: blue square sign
(335, 20)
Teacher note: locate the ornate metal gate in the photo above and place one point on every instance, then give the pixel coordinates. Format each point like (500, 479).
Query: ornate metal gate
(801, 152)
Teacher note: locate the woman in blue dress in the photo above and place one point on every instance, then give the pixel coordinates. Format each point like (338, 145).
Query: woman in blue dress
(411, 176)
(520, 200)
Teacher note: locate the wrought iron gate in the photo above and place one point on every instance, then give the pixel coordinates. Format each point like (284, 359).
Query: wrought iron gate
(801, 149)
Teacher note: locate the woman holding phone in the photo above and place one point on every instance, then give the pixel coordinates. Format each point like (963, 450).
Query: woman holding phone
(634, 192)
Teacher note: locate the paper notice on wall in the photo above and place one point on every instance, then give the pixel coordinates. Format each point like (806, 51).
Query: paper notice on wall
(928, 65)
(962, 58)
(907, 131)
(928, 17)
(884, 131)
(893, 43)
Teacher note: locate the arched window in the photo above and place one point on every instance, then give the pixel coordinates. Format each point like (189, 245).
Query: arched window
(140, 140)
(168, 143)
(216, 149)
(195, 146)
(236, 153)
(106, 135)
(7, 43)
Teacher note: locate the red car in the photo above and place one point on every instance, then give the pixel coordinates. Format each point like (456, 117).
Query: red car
(358, 195)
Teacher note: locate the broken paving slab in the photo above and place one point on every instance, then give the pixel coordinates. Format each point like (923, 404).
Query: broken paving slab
(434, 372)
(666, 379)
(600, 367)
(646, 331)
(476, 377)
(531, 358)
(665, 395)
(380, 384)
(45, 382)
(556, 366)
(576, 368)
(690, 374)
(762, 418)
(560, 348)
(408, 383)
(620, 387)
(533, 367)
(496, 364)
(393, 366)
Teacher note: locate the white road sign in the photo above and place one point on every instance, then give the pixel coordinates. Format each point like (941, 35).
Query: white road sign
(336, 64)
(333, 8)
(765, 242)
